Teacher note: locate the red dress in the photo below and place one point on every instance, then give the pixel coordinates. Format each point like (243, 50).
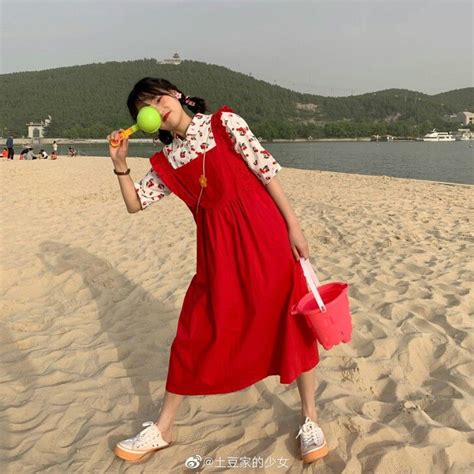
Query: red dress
(235, 326)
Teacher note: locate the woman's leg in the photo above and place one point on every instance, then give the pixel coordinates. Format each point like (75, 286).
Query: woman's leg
(307, 386)
(169, 408)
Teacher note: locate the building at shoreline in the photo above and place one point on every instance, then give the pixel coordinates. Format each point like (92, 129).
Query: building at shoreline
(466, 117)
(35, 129)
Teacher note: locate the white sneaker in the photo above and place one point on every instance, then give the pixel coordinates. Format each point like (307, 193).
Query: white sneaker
(312, 442)
(146, 442)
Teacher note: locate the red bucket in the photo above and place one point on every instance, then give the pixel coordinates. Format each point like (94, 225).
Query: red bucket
(325, 309)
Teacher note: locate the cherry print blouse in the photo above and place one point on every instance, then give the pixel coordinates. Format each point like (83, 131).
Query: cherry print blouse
(151, 188)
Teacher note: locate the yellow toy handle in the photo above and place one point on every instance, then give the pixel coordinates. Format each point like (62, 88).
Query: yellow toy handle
(124, 134)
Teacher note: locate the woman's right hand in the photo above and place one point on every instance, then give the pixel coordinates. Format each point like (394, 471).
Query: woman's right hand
(118, 153)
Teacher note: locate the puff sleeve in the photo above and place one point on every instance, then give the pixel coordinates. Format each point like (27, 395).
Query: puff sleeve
(259, 160)
(150, 189)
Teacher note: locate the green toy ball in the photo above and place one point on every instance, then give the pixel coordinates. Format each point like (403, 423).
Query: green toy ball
(149, 119)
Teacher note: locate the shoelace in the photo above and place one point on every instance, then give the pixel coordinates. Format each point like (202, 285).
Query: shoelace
(310, 434)
(142, 433)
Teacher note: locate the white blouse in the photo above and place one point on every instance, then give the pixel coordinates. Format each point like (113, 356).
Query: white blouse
(151, 188)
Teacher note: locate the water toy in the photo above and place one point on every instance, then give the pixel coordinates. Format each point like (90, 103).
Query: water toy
(148, 120)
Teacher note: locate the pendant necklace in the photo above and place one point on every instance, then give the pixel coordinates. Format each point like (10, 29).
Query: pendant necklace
(202, 178)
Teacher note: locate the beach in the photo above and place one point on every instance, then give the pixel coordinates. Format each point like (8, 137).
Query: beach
(91, 296)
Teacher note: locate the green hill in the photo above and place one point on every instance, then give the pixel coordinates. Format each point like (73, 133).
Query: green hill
(458, 99)
(89, 101)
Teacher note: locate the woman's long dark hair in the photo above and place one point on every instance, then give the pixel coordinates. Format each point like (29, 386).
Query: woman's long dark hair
(149, 88)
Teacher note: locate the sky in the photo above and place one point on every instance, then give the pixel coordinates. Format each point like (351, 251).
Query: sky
(331, 48)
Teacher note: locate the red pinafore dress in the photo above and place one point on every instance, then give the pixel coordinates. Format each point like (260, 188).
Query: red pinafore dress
(235, 327)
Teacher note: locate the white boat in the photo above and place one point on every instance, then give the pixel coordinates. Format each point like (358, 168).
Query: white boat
(435, 136)
(466, 136)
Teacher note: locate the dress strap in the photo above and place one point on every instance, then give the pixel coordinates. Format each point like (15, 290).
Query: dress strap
(163, 168)
(223, 108)
(217, 126)
(154, 159)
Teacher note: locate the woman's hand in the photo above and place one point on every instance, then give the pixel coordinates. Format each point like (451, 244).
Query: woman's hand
(299, 245)
(119, 153)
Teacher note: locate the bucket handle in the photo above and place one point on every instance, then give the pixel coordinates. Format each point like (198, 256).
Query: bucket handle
(313, 282)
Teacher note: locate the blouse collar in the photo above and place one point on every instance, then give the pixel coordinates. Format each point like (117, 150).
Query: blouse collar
(193, 127)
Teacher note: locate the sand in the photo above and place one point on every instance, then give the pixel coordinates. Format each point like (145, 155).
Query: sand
(90, 301)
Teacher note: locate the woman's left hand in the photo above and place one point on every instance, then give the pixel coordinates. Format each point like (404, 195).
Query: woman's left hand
(299, 245)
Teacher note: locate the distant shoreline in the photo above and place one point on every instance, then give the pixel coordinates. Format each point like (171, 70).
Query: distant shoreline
(91, 141)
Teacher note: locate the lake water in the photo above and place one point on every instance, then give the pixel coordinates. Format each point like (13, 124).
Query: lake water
(451, 162)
